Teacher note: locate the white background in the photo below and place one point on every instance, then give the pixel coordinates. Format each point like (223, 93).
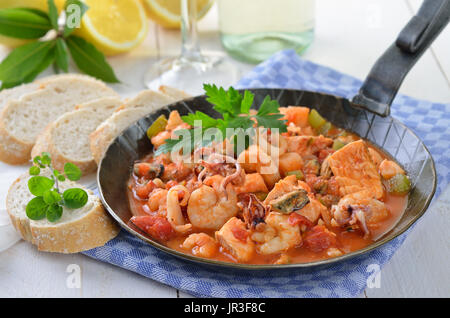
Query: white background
(350, 35)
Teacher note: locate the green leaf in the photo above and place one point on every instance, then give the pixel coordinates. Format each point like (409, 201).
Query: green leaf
(268, 106)
(54, 212)
(73, 173)
(24, 62)
(24, 23)
(226, 102)
(62, 55)
(75, 10)
(34, 171)
(38, 185)
(53, 14)
(36, 209)
(46, 158)
(207, 121)
(51, 197)
(75, 198)
(272, 121)
(90, 60)
(247, 102)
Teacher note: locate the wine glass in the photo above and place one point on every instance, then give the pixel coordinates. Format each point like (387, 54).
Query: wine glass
(192, 68)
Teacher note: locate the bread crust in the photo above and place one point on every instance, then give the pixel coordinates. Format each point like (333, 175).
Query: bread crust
(92, 230)
(12, 150)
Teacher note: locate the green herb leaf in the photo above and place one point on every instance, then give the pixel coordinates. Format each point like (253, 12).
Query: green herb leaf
(73, 173)
(21, 64)
(75, 198)
(46, 158)
(54, 212)
(226, 102)
(51, 197)
(90, 60)
(75, 10)
(38, 185)
(268, 106)
(207, 121)
(24, 23)
(34, 171)
(36, 209)
(247, 102)
(53, 14)
(62, 55)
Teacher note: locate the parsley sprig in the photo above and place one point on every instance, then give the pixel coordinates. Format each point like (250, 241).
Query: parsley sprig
(49, 201)
(235, 110)
(51, 44)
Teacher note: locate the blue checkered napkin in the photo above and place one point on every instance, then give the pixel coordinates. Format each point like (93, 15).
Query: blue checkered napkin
(431, 121)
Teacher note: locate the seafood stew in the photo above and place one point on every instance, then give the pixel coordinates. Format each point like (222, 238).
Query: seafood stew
(327, 193)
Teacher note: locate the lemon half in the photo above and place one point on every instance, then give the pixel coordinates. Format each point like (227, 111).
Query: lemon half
(114, 26)
(167, 13)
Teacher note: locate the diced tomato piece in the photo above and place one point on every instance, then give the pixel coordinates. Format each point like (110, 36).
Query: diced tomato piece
(297, 219)
(143, 191)
(240, 234)
(319, 239)
(324, 153)
(157, 226)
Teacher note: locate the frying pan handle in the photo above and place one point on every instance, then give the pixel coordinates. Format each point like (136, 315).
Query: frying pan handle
(386, 76)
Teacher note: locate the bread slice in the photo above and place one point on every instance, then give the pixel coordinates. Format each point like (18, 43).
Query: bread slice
(17, 92)
(22, 120)
(173, 92)
(67, 138)
(143, 104)
(77, 230)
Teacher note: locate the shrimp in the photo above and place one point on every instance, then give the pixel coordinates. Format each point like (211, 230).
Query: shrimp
(359, 208)
(158, 201)
(160, 138)
(235, 238)
(278, 235)
(174, 213)
(209, 207)
(201, 244)
(389, 168)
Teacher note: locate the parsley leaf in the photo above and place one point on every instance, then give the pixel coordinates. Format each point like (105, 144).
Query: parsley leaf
(235, 110)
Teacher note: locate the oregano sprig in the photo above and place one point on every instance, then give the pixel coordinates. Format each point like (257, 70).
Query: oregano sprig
(49, 201)
(26, 62)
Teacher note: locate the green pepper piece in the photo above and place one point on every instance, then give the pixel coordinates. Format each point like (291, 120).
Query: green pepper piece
(315, 120)
(158, 125)
(399, 184)
(297, 173)
(338, 144)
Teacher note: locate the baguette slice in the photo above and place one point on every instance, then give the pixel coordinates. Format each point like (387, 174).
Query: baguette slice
(175, 93)
(67, 138)
(77, 230)
(141, 105)
(17, 92)
(22, 120)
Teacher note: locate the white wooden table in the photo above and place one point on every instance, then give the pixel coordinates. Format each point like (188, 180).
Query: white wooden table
(350, 35)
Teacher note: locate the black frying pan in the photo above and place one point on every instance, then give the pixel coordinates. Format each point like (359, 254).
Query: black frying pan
(366, 115)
